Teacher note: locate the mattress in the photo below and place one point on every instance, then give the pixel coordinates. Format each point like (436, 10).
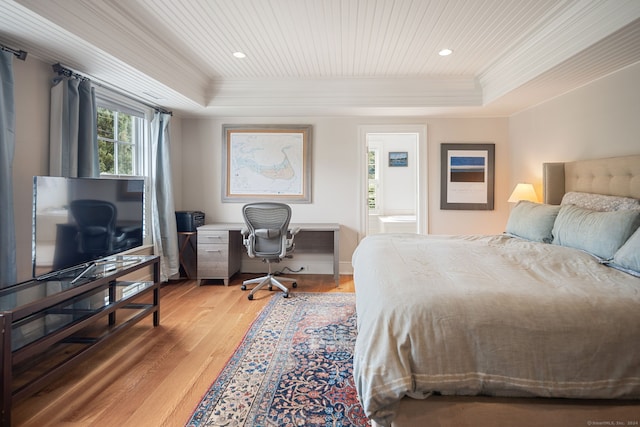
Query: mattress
(490, 315)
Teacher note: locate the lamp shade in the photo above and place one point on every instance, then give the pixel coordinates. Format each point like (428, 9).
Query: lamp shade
(523, 192)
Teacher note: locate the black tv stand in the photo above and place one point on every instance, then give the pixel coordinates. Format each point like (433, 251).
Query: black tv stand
(51, 323)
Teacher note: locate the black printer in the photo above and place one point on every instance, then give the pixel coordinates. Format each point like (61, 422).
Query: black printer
(189, 220)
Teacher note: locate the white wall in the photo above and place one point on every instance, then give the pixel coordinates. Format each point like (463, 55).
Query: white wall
(32, 88)
(601, 119)
(597, 120)
(469, 130)
(196, 151)
(335, 172)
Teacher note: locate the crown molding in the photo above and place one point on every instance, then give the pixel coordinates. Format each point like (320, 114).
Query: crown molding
(580, 26)
(370, 92)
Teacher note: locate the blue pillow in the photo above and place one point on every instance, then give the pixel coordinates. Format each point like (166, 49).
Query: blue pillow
(628, 256)
(532, 221)
(599, 233)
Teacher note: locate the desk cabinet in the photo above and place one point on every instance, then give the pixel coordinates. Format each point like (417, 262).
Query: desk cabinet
(219, 253)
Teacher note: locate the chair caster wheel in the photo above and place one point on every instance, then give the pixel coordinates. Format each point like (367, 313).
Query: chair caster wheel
(270, 288)
(285, 295)
(250, 297)
(295, 284)
(243, 287)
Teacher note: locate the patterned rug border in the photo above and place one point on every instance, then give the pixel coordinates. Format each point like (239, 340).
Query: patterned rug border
(205, 407)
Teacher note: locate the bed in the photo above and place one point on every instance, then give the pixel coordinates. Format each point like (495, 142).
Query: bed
(536, 326)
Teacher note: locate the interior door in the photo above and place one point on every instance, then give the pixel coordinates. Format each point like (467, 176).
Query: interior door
(393, 179)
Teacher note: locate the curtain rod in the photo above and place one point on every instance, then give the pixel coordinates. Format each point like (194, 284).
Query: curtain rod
(68, 72)
(62, 71)
(20, 54)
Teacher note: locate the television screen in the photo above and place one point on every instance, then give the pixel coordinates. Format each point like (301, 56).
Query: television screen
(78, 220)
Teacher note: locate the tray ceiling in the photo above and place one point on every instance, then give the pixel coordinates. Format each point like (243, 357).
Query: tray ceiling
(332, 57)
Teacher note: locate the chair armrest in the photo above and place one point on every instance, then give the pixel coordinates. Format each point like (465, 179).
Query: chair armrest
(247, 241)
(293, 231)
(288, 243)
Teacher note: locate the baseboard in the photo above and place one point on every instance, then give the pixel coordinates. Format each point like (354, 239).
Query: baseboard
(310, 264)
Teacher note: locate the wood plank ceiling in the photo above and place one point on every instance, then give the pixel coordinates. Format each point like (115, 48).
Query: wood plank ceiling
(332, 57)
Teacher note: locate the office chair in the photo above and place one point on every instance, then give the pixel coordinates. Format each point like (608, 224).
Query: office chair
(266, 235)
(97, 234)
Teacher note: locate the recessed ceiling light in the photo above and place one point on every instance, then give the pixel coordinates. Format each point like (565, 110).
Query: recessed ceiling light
(445, 52)
(239, 55)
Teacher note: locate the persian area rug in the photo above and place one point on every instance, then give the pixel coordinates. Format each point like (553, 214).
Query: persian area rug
(293, 368)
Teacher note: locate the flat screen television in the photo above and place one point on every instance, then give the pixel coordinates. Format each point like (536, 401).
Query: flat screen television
(79, 220)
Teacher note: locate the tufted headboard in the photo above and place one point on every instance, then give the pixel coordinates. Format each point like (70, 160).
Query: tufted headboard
(614, 176)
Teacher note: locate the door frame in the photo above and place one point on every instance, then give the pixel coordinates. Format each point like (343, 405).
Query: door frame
(422, 186)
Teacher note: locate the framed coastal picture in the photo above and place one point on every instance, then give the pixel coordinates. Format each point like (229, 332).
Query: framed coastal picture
(398, 159)
(266, 162)
(467, 176)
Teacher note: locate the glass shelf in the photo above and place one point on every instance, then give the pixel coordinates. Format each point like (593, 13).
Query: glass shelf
(50, 323)
(59, 317)
(31, 291)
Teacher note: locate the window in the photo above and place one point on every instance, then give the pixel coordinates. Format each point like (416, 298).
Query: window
(124, 143)
(120, 142)
(373, 168)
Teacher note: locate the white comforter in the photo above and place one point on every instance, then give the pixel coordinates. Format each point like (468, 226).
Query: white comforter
(495, 315)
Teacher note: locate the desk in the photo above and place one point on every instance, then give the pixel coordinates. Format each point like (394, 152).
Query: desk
(220, 247)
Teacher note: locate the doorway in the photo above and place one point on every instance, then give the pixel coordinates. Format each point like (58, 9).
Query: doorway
(393, 175)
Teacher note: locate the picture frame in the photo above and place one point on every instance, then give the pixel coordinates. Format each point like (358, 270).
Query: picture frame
(266, 162)
(467, 175)
(398, 159)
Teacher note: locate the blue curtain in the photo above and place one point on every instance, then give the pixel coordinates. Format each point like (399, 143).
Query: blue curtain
(165, 236)
(73, 135)
(8, 271)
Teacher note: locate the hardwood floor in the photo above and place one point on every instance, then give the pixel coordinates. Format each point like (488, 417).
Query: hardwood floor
(156, 376)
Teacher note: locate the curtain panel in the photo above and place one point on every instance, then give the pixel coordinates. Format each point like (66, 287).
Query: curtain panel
(8, 269)
(73, 134)
(165, 235)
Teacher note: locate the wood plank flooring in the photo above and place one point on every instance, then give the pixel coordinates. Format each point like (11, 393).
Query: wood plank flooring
(156, 376)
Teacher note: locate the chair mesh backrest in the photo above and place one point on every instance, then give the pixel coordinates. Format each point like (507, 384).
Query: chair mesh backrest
(267, 216)
(96, 221)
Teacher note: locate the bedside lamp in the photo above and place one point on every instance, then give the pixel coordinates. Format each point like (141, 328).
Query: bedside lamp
(523, 192)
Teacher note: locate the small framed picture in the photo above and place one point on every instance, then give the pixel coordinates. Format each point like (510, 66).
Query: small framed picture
(398, 159)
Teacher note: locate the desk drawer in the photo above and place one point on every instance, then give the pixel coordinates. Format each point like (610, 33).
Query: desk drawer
(213, 253)
(214, 269)
(213, 236)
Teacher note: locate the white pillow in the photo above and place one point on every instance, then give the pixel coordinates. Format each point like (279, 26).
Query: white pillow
(532, 221)
(599, 233)
(600, 202)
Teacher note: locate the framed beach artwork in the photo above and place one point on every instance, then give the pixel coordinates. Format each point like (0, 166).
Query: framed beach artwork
(467, 176)
(398, 159)
(266, 162)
